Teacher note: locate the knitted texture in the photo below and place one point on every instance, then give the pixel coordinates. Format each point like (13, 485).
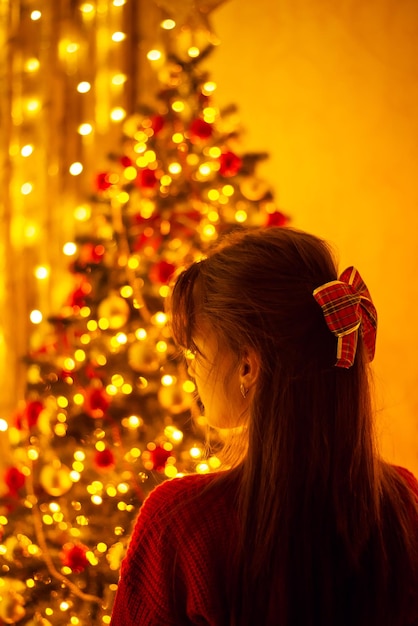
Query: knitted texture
(175, 572)
(175, 568)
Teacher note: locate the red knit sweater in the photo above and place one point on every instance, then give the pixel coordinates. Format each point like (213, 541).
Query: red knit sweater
(175, 570)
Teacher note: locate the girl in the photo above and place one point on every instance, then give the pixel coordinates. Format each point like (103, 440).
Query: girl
(309, 526)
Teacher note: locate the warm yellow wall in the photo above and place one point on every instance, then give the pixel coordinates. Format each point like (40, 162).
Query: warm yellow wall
(330, 89)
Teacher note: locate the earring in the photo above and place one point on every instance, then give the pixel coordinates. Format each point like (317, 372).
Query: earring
(243, 390)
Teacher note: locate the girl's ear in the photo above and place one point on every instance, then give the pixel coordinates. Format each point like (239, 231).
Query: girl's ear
(249, 369)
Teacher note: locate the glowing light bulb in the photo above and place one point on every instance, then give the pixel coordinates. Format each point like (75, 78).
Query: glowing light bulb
(41, 272)
(193, 52)
(26, 150)
(177, 138)
(26, 188)
(174, 168)
(117, 114)
(87, 8)
(168, 24)
(69, 248)
(83, 87)
(35, 15)
(118, 36)
(85, 129)
(71, 47)
(208, 88)
(32, 65)
(75, 168)
(3, 425)
(82, 213)
(35, 316)
(119, 79)
(154, 55)
(33, 105)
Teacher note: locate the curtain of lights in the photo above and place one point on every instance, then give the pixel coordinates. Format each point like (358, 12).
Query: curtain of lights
(70, 71)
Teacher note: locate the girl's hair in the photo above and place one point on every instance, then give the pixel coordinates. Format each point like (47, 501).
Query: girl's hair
(329, 532)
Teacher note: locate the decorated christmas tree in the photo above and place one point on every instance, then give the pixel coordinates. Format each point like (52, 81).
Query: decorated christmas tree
(107, 413)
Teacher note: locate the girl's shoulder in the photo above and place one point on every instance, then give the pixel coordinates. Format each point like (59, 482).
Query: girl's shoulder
(191, 492)
(409, 478)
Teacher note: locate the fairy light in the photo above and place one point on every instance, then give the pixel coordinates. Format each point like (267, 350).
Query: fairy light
(160, 318)
(177, 138)
(213, 195)
(83, 87)
(241, 216)
(228, 190)
(35, 15)
(154, 55)
(41, 272)
(85, 129)
(189, 386)
(205, 169)
(174, 168)
(202, 468)
(208, 88)
(168, 24)
(130, 173)
(32, 65)
(26, 189)
(118, 36)
(75, 168)
(193, 52)
(178, 106)
(118, 79)
(36, 316)
(26, 150)
(87, 8)
(161, 346)
(117, 114)
(195, 452)
(69, 248)
(4, 426)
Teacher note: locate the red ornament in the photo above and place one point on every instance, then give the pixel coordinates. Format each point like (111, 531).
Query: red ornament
(97, 402)
(125, 161)
(200, 130)
(157, 123)
(14, 480)
(104, 459)
(158, 457)
(74, 557)
(103, 181)
(146, 179)
(161, 272)
(277, 219)
(28, 417)
(229, 164)
(78, 297)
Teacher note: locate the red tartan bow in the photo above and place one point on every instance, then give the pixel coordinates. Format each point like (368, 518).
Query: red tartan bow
(348, 307)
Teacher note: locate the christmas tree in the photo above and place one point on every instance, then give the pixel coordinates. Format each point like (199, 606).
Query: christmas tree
(107, 413)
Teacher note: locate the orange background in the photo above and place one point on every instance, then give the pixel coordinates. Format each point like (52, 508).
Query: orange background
(330, 90)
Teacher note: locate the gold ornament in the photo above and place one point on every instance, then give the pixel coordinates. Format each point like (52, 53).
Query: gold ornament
(254, 188)
(142, 357)
(56, 479)
(175, 399)
(115, 309)
(12, 608)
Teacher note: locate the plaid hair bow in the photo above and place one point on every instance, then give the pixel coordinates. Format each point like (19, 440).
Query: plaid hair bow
(348, 308)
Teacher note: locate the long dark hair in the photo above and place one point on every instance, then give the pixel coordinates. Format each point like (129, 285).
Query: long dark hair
(329, 532)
